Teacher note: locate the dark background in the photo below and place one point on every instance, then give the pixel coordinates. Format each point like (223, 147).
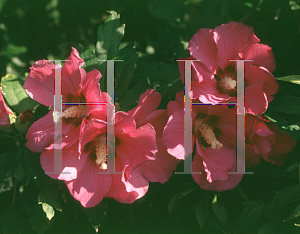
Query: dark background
(42, 29)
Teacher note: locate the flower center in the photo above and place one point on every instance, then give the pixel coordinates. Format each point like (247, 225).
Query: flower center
(208, 134)
(101, 152)
(229, 83)
(74, 111)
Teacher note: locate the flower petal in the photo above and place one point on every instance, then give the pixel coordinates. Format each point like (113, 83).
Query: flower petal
(231, 39)
(148, 102)
(39, 84)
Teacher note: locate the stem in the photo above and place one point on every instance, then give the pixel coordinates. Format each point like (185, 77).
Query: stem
(15, 192)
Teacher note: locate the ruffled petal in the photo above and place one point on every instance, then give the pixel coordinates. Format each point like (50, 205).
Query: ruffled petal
(72, 75)
(71, 165)
(139, 145)
(162, 168)
(231, 39)
(148, 102)
(202, 46)
(90, 187)
(127, 191)
(39, 84)
(261, 55)
(229, 183)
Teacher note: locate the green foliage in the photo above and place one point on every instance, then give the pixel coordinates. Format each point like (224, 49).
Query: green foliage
(15, 95)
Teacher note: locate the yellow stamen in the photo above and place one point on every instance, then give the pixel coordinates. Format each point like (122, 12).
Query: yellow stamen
(101, 152)
(74, 111)
(229, 83)
(208, 134)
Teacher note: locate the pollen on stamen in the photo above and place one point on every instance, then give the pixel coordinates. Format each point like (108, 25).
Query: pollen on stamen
(208, 134)
(101, 153)
(74, 111)
(229, 83)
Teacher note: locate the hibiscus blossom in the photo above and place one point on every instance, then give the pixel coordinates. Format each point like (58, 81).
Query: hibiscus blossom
(214, 77)
(265, 140)
(4, 112)
(214, 133)
(77, 87)
(135, 150)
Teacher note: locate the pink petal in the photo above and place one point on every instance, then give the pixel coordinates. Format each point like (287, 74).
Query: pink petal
(89, 130)
(90, 187)
(39, 84)
(255, 73)
(139, 145)
(157, 119)
(173, 135)
(41, 133)
(4, 112)
(71, 165)
(207, 92)
(160, 169)
(124, 122)
(229, 183)
(148, 102)
(203, 47)
(127, 191)
(177, 104)
(251, 158)
(72, 74)
(261, 55)
(231, 39)
(217, 161)
(255, 100)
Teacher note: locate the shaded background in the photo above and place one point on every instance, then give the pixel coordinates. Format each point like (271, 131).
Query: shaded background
(161, 29)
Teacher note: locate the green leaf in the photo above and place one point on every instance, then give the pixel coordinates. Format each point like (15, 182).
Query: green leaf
(294, 214)
(177, 199)
(162, 77)
(124, 70)
(238, 190)
(15, 95)
(293, 79)
(25, 165)
(220, 211)
(201, 209)
(6, 164)
(12, 50)
(91, 61)
(131, 97)
(109, 37)
(34, 211)
(50, 193)
(250, 214)
(48, 210)
(292, 127)
(286, 196)
(286, 104)
(11, 220)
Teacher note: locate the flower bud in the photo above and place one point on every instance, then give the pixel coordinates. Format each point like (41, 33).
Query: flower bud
(24, 121)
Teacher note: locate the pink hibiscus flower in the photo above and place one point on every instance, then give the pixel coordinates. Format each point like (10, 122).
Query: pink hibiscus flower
(135, 150)
(77, 87)
(214, 78)
(4, 112)
(265, 140)
(214, 133)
